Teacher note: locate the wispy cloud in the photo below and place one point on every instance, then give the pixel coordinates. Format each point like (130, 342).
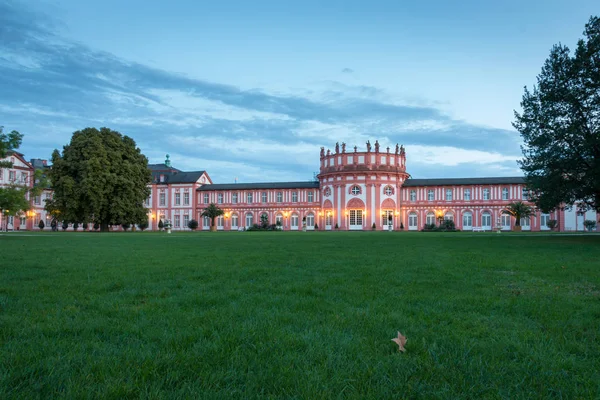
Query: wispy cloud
(46, 81)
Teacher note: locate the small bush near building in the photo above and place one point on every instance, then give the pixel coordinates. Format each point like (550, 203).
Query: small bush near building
(589, 224)
(552, 224)
(41, 225)
(193, 224)
(316, 227)
(75, 226)
(126, 226)
(373, 227)
(65, 225)
(85, 226)
(143, 225)
(96, 226)
(161, 225)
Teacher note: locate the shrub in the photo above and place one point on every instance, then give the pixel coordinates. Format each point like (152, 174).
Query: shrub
(552, 223)
(96, 226)
(336, 226)
(126, 226)
(429, 227)
(589, 224)
(161, 224)
(65, 225)
(401, 226)
(143, 225)
(193, 224)
(448, 225)
(41, 225)
(316, 227)
(75, 226)
(85, 226)
(373, 227)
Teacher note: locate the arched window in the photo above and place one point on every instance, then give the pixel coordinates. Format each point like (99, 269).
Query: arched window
(310, 220)
(294, 221)
(486, 220)
(467, 220)
(355, 190)
(249, 219)
(234, 221)
(279, 219)
(449, 216)
(430, 219)
(412, 221)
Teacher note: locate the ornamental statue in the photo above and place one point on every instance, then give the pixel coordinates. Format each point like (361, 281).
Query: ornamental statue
(368, 146)
(343, 147)
(322, 152)
(355, 148)
(376, 146)
(328, 152)
(397, 149)
(337, 147)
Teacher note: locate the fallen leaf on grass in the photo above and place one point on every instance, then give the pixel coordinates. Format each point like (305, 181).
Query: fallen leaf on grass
(400, 341)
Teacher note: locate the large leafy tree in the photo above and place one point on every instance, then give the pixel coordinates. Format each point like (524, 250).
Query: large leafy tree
(102, 177)
(13, 201)
(519, 210)
(560, 126)
(212, 212)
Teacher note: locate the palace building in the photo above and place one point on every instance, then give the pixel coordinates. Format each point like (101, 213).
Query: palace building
(354, 190)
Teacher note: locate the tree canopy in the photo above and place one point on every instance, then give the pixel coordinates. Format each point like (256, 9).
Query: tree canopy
(102, 177)
(519, 210)
(212, 212)
(560, 126)
(8, 142)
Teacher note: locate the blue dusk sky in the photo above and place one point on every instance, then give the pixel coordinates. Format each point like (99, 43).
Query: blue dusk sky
(253, 89)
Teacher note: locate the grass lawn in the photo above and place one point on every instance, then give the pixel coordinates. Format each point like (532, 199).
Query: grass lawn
(299, 315)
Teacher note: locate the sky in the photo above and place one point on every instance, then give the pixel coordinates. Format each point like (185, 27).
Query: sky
(251, 90)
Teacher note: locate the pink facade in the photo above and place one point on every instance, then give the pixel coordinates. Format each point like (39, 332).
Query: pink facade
(355, 190)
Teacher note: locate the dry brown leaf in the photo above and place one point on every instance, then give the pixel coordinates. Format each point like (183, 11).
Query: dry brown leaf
(400, 341)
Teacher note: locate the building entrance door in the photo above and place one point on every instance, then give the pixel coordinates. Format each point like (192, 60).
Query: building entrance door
(356, 219)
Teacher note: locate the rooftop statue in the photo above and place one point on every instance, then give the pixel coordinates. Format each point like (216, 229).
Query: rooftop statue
(343, 147)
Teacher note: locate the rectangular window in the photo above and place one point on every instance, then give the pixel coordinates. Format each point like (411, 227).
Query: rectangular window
(220, 198)
(38, 200)
(504, 193)
(220, 220)
(525, 194)
(177, 221)
(23, 177)
(234, 221)
(310, 196)
(263, 197)
(294, 221)
(186, 221)
(448, 194)
(430, 195)
(177, 199)
(413, 195)
(186, 198)
(294, 197)
(206, 198)
(544, 218)
(506, 221)
(467, 194)
(147, 202)
(279, 197)
(234, 198)
(486, 194)
(161, 199)
(249, 197)
(467, 220)
(205, 222)
(11, 176)
(412, 220)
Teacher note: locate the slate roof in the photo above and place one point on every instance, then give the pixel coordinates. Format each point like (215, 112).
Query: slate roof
(260, 185)
(173, 175)
(465, 181)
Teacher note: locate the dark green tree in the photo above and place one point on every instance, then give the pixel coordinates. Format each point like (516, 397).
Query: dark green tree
(560, 126)
(8, 142)
(41, 225)
(193, 224)
(519, 210)
(212, 212)
(143, 225)
(84, 226)
(101, 176)
(75, 226)
(161, 225)
(13, 201)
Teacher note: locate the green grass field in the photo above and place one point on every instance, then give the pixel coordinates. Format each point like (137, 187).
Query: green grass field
(299, 315)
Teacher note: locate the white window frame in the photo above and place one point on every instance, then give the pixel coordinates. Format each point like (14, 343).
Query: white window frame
(430, 195)
(413, 195)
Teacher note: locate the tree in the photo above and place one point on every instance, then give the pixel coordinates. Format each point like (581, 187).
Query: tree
(65, 225)
(13, 201)
(519, 210)
(161, 225)
(126, 226)
(212, 212)
(101, 176)
(41, 225)
(84, 226)
(75, 226)
(143, 225)
(589, 224)
(560, 126)
(193, 224)
(8, 142)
